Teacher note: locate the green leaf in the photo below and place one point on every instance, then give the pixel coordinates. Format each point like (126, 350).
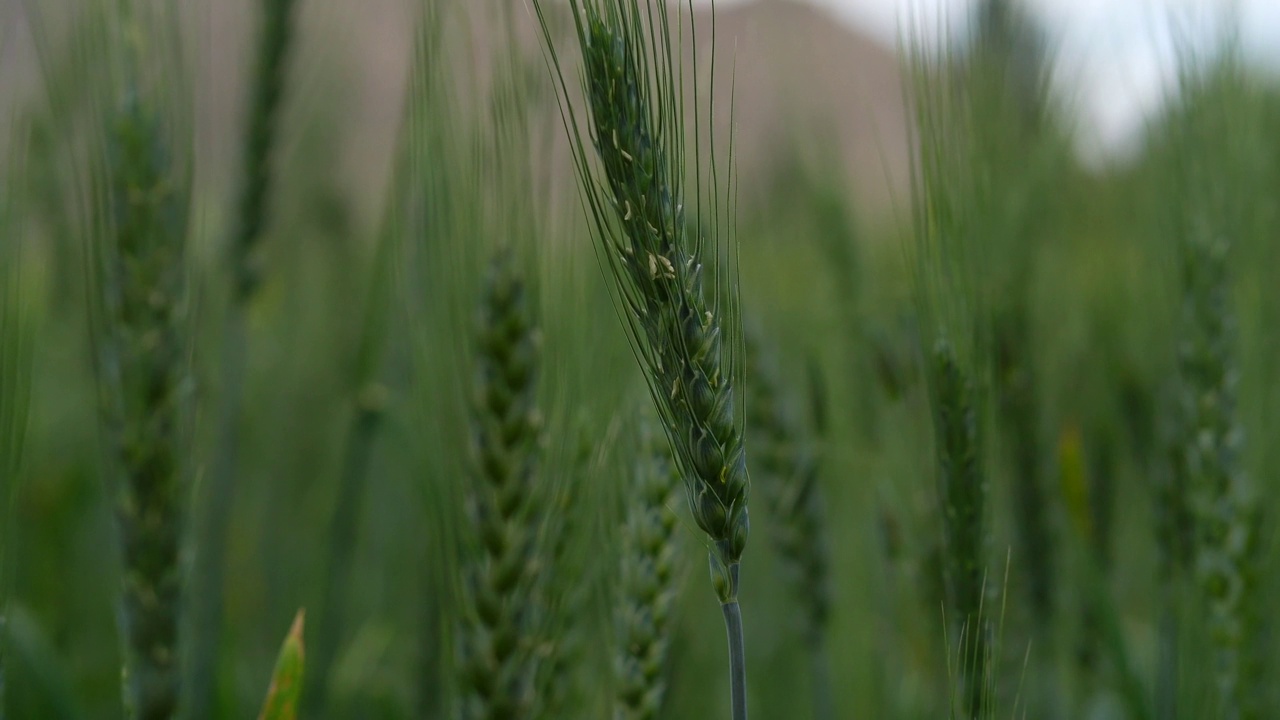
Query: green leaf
(286, 680)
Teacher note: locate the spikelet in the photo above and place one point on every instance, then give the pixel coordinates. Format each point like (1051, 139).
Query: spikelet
(145, 344)
(962, 492)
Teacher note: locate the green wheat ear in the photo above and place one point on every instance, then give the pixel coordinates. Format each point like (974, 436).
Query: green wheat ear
(649, 579)
(675, 289)
(1220, 497)
(962, 488)
(141, 327)
(145, 363)
(950, 253)
(497, 639)
(683, 324)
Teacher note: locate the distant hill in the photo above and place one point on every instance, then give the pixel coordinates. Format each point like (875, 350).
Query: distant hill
(800, 76)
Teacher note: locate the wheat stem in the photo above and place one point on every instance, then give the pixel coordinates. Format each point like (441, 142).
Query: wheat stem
(370, 400)
(737, 659)
(343, 538)
(208, 572)
(789, 488)
(15, 389)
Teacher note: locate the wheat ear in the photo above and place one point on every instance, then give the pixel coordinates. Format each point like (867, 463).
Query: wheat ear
(1221, 507)
(649, 575)
(962, 493)
(567, 589)
(142, 329)
(950, 256)
(675, 289)
(495, 640)
(1213, 217)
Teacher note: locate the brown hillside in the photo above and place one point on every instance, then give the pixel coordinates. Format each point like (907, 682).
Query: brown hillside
(800, 76)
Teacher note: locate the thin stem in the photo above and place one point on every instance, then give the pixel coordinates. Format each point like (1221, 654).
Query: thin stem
(213, 522)
(343, 537)
(737, 659)
(1167, 668)
(824, 707)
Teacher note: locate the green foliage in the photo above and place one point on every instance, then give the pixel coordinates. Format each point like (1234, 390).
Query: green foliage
(286, 680)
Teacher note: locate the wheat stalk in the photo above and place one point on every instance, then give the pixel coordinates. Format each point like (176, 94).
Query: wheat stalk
(15, 387)
(786, 456)
(275, 42)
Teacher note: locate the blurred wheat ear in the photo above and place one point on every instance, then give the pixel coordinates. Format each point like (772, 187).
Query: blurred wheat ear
(674, 286)
(649, 578)
(962, 496)
(1219, 494)
(496, 641)
(567, 586)
(949, 257)
(140, 320)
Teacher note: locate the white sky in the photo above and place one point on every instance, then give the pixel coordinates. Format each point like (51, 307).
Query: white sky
(1115, 56)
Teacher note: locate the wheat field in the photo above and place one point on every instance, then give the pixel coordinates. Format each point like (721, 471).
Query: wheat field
(619, 359)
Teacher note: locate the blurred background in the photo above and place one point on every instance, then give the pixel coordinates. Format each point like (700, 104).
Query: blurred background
(1074, 119)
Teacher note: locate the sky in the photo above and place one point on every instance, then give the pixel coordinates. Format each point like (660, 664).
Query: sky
(1115, 58)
